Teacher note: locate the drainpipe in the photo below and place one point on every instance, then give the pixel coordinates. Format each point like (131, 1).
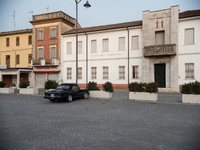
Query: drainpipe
(128, 55)
(86, 58)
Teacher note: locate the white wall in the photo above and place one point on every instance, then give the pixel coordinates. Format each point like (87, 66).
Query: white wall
(189, 53)
(112, 59)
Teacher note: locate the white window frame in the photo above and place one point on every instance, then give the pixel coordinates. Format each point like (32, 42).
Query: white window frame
(40, 48)
(121, 72)
(105, 72)
(52, 32)
(69, 48)
(80, 47)
(105, 45)
(135, 46)
(69, 73)
(52, 46)
(93, 72)
(40, 32)
(189, 70)
(190, 40)
(135, 72)
(121, 43)
(93, 46)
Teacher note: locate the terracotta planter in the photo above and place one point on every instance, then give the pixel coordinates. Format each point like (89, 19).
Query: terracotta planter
(7, 90)
(191, 98)
(100, 94)
(143, 96)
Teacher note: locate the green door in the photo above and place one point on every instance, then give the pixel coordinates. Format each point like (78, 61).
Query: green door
(160, 75)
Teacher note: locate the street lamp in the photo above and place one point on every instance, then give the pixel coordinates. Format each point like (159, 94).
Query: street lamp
(87, 5)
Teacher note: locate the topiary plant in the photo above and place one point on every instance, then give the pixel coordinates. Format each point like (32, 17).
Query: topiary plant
(108, 87)
(50, 84)
(92, 86)
(24, 84)
(2, 84)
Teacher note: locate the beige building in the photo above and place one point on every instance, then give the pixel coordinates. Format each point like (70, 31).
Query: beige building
(15, 56)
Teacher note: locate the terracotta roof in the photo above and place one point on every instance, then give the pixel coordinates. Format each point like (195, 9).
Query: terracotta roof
(16, 32)
(105, 27)
(189, 13)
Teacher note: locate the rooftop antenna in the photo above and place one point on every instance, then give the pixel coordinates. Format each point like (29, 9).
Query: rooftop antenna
(31, 13)
(14, 18)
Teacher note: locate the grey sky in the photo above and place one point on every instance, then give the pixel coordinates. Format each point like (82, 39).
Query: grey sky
(102, 12)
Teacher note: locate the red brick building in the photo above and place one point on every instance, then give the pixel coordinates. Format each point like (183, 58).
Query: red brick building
(47, 30)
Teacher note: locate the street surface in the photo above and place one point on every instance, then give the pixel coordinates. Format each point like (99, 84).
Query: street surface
(33, 123)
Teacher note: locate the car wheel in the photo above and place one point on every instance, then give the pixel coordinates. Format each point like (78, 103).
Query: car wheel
(70, 98)
(86, 95)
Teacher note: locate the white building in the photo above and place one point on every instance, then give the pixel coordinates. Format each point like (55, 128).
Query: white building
(162, 48)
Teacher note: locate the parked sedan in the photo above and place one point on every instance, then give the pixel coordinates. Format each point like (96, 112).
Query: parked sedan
(66, 92)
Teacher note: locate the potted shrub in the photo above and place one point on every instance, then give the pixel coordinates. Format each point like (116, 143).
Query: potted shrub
(191, 92)
(24, 90)
(97, 93)
(50, 84)
(12, 85)
(143, 91)
(5, 90)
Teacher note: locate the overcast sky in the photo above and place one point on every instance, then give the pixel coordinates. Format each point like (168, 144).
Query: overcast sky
(101, 12)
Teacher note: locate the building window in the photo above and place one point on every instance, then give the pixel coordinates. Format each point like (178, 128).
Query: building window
(17, 41)
(93, 46)
(17, 59)
(189, 71)
(53, 52)
(40, 34)
(135, 42)
(121, 72)
(135, 72)
(160, 37)
(121, 43)
(105, 72)
(40, 53)
(105, 45)
(189, 36)
(94, 72)
(80, 73)
(69, 73)
(29, 58)
(69, 48)
(29, 39)
(53, 32)
(7, 42)
(80, 47)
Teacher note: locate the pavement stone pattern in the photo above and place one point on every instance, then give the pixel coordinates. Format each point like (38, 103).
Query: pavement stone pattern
(29, 122)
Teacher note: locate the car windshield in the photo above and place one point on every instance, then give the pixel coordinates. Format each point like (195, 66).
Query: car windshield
(61, 87)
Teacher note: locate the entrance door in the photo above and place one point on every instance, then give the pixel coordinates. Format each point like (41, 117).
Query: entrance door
(160, 75)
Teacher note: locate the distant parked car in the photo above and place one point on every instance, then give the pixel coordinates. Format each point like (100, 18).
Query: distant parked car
(66, 92)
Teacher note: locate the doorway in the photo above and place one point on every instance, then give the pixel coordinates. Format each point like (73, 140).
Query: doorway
(160, 77)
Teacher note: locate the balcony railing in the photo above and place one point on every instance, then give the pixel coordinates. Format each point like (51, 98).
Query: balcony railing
(43, 62)
(160, 50)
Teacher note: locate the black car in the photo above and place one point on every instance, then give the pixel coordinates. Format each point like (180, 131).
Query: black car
(66, 92)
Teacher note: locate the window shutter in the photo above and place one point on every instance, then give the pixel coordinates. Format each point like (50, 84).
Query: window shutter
(189, 36)
(135, 42)
(160, 38)
(53, 52)
(93, 46)
(121, 43)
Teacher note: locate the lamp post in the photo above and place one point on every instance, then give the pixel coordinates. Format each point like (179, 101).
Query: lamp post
(87, 5)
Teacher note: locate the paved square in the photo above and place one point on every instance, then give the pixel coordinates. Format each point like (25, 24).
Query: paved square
(33, 123)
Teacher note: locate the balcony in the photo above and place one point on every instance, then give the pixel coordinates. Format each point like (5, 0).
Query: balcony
(160, 50)
(43, 62)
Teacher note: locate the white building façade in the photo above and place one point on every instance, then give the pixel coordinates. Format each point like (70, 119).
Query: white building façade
(162, 47)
